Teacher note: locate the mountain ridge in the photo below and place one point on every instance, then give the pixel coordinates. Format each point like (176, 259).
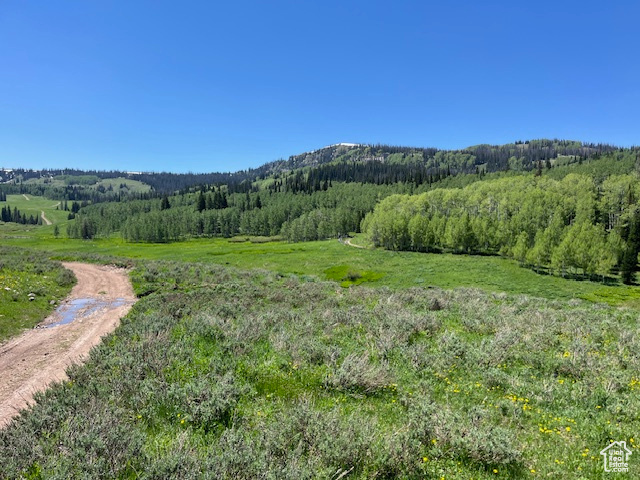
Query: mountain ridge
(519, 155)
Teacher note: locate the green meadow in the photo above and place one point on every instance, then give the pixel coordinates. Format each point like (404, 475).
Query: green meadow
(92, 181)
(34, 205)
(250, 357)
(332, 260)
(225, 373)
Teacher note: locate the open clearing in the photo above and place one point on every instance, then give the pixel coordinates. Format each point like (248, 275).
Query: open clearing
(36, 358)
(392, 269)
(35, 205)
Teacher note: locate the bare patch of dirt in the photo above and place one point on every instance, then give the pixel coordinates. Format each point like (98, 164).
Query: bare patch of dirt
(38, 357)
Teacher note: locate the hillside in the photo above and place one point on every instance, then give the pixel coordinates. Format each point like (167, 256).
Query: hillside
(488, 158)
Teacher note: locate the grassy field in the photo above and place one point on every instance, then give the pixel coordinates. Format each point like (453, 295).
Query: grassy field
(220, 373)
(33, 205)
(131, 185)
(267, 371)
(334, 261)
(91, 181)
(29, 282)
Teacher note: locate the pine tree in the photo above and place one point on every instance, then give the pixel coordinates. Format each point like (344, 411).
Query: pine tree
(201, 202)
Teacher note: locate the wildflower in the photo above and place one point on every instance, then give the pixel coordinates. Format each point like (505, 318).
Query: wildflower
(495, 470)
(568, 429)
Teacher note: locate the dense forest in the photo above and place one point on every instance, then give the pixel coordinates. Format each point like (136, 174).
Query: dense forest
(521, 155)
(574, 225)
(408, 161)
(297, 216)
(304, 204)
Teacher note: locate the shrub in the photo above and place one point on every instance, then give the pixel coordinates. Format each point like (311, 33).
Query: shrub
(358, 374)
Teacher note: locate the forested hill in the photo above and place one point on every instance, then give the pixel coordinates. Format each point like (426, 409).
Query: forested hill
(390, 164)
(365, 163)
(521, 155)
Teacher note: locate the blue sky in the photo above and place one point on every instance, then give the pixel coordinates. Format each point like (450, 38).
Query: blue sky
(212, 86)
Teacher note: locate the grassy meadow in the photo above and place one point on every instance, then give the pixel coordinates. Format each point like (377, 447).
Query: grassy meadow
(222, 373)
(245, 359)
(332, 260)
(92, 181)
(34, 205)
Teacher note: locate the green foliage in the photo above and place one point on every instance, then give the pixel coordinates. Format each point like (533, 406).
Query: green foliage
(227, 374)
(312, 259)
(570, 225)
(29, 282)
(297, 217)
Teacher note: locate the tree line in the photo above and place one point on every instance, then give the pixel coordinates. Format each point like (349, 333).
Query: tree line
(296, 216)
(15, 216)
(568, 226)
(301, 205)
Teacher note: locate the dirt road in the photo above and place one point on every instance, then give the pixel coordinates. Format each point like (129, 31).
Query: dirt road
(45, 219)
(347, 241)
(36, 358)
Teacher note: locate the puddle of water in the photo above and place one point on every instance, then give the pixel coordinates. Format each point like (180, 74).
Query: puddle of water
(70, 311)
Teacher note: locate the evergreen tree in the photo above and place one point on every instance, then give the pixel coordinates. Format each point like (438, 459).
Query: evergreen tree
(201, 202)
(164, 203)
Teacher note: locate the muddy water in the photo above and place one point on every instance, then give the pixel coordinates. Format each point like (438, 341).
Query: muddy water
(81, 308)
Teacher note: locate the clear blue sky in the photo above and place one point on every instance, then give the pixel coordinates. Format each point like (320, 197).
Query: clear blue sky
(212, 86)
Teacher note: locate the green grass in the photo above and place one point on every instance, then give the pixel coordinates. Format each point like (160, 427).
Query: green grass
(333, 260)
(35, 205)
(133, 186)
(23, 273)
(220, 373)
(92, 182)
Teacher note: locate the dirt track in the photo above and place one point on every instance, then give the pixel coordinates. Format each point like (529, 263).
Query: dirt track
(45, 219)
(36, 358)
(347, 241)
